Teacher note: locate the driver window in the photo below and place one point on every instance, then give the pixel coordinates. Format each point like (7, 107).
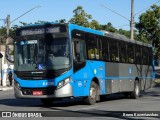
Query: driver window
(78, 45)
(79, 48)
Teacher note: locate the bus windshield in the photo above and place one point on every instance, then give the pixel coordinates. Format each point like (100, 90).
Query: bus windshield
(42, 53)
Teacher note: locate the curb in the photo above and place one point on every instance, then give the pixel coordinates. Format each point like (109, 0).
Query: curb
(6, 88)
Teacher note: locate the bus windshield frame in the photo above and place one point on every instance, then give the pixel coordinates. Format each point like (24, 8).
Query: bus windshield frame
(42, 48)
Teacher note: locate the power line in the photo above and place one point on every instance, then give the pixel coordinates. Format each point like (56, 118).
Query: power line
(122, 25)
(132, 15)
(102, 5)
(146, 8)
(25, 13)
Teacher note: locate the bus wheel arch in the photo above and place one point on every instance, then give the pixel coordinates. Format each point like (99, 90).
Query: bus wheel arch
(94, 92)
(136, 92)
(98, 88)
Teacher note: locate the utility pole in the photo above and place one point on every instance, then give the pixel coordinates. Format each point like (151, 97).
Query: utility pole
(132, 17)
(132, 25)
(132, 20)
(5, 65)
(8, 25)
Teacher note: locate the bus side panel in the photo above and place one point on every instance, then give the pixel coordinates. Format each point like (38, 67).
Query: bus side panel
(146, 81)
(83, 77)
(98, 69)
(112, 83)
(144, 73)
(120, 77)
(126, 77)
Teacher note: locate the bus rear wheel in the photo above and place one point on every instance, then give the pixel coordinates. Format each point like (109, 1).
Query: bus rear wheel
(46, 102)
(93, 93)
(136, 92)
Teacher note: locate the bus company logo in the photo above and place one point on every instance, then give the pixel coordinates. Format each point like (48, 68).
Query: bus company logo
(6, 114)
(36, 72)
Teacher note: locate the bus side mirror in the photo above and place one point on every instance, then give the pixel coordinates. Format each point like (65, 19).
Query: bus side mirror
(77, 50)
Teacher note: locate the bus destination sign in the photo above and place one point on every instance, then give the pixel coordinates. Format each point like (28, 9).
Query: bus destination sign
(35, 31)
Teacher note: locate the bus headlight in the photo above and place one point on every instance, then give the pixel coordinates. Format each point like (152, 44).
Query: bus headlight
(63, 83)
(17, 85)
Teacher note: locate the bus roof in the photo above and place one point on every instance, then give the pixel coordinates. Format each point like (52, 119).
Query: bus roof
(110, 35)
(98, 32)
(38, 24)
(124, 38)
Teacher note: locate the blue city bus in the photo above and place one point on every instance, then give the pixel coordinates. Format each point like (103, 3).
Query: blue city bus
(54, 60)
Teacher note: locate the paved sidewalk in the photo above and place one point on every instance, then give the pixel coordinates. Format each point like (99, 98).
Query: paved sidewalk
(4, 88)
(7, 87)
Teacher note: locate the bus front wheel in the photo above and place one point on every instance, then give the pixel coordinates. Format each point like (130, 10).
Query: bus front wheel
(93, 92)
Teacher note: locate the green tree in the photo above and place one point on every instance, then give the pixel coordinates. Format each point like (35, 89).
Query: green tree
(95, 25)
(61, 21)
(3, 36)
(108, 27)
(80, 17)
(124, 32)
(149, 28)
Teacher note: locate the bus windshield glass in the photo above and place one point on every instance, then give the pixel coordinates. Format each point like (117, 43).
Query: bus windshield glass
(42, 53)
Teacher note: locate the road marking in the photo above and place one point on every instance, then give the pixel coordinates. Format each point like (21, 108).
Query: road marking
(87, 108)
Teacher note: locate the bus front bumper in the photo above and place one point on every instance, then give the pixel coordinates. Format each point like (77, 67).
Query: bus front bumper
(65, 91)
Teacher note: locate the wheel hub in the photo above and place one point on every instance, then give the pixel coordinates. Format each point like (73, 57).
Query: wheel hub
(137, 90)
(92, 92)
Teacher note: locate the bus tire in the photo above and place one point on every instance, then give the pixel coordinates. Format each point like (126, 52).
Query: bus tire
(93, 93)
(127, 95)
(46, 102)
(103, 98)
(136, 92)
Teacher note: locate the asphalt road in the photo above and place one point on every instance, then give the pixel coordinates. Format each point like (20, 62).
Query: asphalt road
(114, 107)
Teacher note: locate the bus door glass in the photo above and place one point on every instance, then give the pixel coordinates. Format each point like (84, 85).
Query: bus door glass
(79, 55)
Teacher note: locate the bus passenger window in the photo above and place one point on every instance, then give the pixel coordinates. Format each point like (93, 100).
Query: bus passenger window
(150, 56)
(122, 52)
(145, 56)
(105, 49)
(113, 50)
(93, 52)
(130, 51)
(138, 59)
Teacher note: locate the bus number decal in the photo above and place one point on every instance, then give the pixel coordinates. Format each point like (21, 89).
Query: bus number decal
(79, 83)
(130, 70)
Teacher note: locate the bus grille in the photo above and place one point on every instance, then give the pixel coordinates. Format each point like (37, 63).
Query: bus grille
(39, 75)
(30, 75)
(45, 91)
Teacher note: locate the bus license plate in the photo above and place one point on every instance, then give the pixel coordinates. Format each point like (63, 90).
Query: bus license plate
(38, 92)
